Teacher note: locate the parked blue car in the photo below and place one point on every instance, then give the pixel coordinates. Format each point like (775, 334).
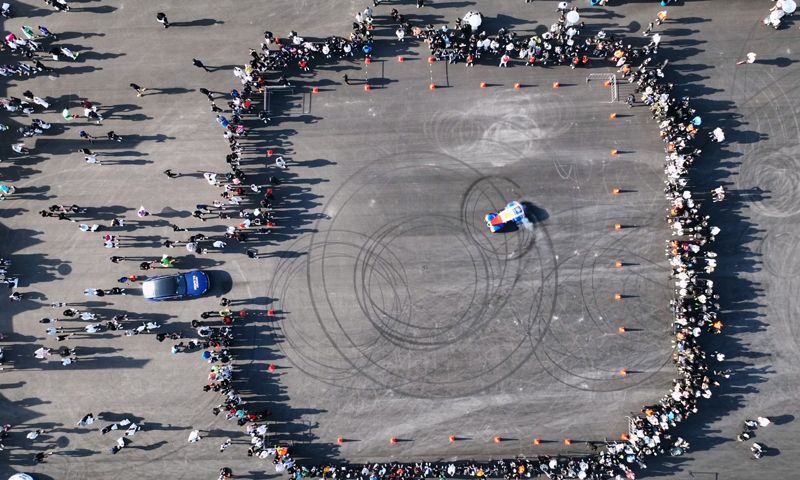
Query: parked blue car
(179, 286)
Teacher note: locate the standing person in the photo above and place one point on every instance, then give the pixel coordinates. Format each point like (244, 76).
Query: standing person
(346, 79)
(46, 33)
(207, 93)
(162, 19)
(420, 3)
(168, 172)
(113, 136)
(751, 58)
(86, 136)
(197, 63)
(139, 90)
(504, 60)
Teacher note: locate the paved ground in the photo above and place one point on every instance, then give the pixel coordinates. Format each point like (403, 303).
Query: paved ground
(396, 312)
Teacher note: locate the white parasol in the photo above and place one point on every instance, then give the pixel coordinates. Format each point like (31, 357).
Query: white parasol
(20, 476)
(573, 17)
(789, 6)
(776, 15)
(474, 19)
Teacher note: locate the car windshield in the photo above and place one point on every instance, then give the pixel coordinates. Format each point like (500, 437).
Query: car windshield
(181, 289)
(168, 287)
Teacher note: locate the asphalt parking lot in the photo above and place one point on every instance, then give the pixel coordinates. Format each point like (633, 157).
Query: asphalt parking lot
(396, 311)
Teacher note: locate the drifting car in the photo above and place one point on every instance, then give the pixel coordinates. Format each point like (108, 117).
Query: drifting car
(512, 213)
(179, 286)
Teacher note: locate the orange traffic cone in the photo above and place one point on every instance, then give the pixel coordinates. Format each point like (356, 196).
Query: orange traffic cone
(556, 85)
(607, 84)
(567, 441)
(624, 437)
(484, 85)
(617, 296)
(498, 439)
(617, 226)
(537, 441)
(613, 116)
(623, 372)
(615, 191)
(622, 330)
(618, 264)
(517, 86)
(614, 152)
(431, 60)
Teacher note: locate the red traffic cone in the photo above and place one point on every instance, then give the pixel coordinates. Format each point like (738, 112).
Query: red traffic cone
(401, 59)
(270, 152)
(315, 90)
(368, 88)
(340, 440)
(432, 86)
(517, 86)
(368, 60)
(270, 313)
(431, 60)
(498, 439)
(271, 368)
(452, 438)
(393, 440)
(484, 84)
(556, 85)
(242, 313)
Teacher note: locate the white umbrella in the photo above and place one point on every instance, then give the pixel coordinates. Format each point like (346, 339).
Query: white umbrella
(573, 17)
(789, 6)
(20, 476)
(475, 20)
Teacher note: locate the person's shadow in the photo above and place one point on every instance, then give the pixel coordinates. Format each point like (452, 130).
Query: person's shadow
(203, 22)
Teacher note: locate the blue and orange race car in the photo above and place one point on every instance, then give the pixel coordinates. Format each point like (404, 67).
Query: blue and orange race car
(514, 212)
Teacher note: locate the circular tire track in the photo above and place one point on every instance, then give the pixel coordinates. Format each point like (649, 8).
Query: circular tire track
(501, 290)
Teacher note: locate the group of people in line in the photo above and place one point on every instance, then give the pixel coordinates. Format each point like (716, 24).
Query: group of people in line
(695, 303)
